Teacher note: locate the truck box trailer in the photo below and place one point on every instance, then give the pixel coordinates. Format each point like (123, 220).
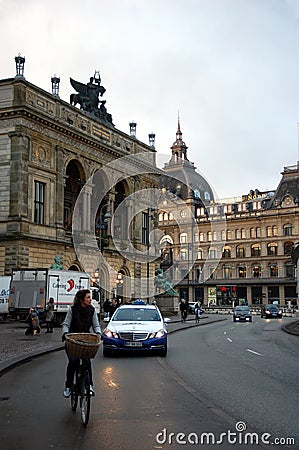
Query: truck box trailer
(4, 296)
(34, 287)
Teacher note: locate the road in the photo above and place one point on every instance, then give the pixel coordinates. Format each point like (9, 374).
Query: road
(250, 370)
(140, 401)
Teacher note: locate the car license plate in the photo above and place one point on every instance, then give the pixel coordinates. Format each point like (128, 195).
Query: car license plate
(133, 344)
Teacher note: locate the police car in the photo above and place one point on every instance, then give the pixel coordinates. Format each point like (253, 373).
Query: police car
(136, 327)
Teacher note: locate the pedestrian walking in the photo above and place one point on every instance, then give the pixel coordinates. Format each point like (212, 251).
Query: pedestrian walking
(184, 305)
(50, 315)
(197, 311)
(106, 307)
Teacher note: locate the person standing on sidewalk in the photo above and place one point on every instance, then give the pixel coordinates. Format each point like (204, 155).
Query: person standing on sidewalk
(50, 315)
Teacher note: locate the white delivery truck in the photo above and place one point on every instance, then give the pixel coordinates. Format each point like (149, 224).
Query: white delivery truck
(34, 287)
(4, 295)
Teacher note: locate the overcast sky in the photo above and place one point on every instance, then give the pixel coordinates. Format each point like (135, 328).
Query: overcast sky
(230, 67)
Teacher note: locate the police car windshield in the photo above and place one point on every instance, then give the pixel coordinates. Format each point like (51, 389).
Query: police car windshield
(136, 315)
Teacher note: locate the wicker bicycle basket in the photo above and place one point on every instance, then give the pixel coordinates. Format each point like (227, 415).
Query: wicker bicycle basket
(82, 345)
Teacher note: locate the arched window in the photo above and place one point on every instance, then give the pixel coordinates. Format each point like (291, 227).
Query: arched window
(243, 233)
(200, 253)
(229, 234)
(258, 232)
(274, 230)
(165, 216)
(226, 252)
(223, 235)
(196, 237)
(214, 235)
(241, 271)
(269, 231)
(209, 236)
(256, 270)
(256, 250)
(272, 249)
(201, 237)
(160, 217)
(288, 229)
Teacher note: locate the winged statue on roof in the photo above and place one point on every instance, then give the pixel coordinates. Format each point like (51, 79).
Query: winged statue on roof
(87, 97)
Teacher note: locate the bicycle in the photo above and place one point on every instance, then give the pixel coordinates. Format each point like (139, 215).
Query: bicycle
(83, 346)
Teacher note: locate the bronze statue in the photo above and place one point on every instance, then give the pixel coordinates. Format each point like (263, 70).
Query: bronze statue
(56, 264)
(162, 284)
(88, 98)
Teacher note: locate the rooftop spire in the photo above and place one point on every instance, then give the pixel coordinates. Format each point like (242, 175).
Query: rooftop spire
(179, 148)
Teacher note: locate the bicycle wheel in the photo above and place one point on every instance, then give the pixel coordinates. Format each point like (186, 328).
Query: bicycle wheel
(74, 397)
(85, 398)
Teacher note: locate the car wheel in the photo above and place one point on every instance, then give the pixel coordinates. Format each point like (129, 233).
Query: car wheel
(163, 352)
(106, 352)
(234, 319)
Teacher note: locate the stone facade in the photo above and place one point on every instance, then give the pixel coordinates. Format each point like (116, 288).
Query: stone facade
(49, 151)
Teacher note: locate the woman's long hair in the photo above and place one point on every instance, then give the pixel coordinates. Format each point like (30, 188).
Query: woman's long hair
(80, 295)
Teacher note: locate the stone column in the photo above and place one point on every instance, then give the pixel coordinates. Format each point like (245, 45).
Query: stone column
(18, 207)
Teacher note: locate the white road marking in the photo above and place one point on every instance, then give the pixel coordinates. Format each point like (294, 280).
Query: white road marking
(252, 351)
(229, 340)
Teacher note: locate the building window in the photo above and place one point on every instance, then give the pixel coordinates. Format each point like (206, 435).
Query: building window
(273, 270)
(39, 202)
(252, 233)
(145, 229)
(274, 230)
(199, 253)
(209, 236)
(223, 235)
(272, 249)
(238, 233)
(226, 271)
(229, 234)
(226, 252)
(288, 247)
(160, 217)
(243, 233)
(269, 231)
(258, 232)
(183, 255)
(256, 271)
(201, 237)
(240, 252)
(241, 271)
(183, 238)
(289, 270)
(255, 250)
(196, 237)
(212, 253)
(288, 230)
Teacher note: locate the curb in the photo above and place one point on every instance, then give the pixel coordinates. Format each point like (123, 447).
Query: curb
(289, 328)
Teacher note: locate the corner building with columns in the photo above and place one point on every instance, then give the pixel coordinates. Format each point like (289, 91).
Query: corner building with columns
(49, 151)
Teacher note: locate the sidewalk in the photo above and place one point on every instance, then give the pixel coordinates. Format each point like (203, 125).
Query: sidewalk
(16, 348)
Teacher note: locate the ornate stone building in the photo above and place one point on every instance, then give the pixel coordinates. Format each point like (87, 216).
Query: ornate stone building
(222, 252)
(49, 151)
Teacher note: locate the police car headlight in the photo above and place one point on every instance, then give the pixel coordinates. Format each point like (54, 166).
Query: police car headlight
(110, 334)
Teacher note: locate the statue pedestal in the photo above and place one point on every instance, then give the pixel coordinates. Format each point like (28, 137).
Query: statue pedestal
(168, 304)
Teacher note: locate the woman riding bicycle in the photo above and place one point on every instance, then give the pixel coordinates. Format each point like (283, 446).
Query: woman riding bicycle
(79, 319)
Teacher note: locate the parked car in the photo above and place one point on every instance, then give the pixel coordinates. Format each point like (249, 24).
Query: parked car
(242, 314)
(136, 327)
(192, 307)
(271, 310)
